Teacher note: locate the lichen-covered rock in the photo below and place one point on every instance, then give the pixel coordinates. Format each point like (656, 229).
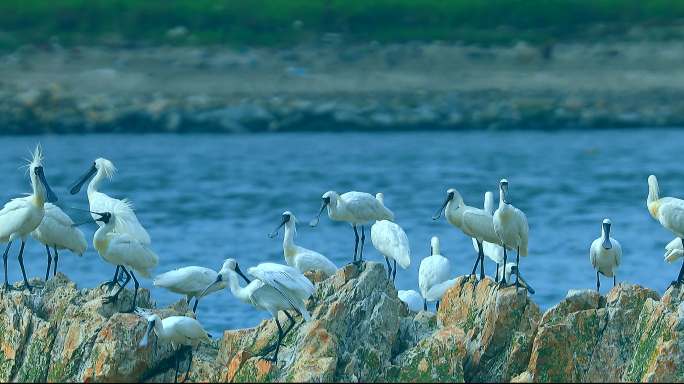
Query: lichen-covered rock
(499, 326)
(437, 358)
(587, 337)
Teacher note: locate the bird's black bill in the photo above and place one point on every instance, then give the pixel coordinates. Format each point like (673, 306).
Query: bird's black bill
(239, 272)
(146, 337)
(315, 220)
(438, 214)
(218, 280)
(525, 284)
(504, 191)
(606, 238)
(275, 231)
(50, 196)
(76, 187)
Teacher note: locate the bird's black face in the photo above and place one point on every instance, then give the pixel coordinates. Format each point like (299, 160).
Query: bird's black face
(104, 217)
(504, 192)
(606, 239)
(50, 196)
(76, 187)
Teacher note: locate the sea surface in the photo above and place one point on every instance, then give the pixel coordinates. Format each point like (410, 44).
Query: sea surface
(204, 198)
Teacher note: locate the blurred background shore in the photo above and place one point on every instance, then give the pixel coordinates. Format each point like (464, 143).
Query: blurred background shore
(251, 66)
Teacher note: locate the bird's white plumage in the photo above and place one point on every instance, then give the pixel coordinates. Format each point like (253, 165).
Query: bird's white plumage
(391, 241)
(605, 260)
(437, 291)
(127, 221)
(302, 258)
(674, 250)
(356, 208)
(491, 250)
(669, 211)
(412, 299)
(433, 270)
(510, 225)
(474, 222)
(180, 330)
(189, 281)
(58, 230)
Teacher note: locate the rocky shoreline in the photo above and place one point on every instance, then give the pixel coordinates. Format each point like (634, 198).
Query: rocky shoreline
(360, 331)
(336, 87)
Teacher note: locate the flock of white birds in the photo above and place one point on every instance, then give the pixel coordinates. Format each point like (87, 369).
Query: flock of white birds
(125, 244)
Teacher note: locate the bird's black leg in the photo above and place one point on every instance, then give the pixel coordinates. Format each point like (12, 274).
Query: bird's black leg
(49, 257)
(175, 375)
(21, 264)
(194, 307)
(477, 261)
(496, 279)
(363, 240)
(4, 261)
(54, 272)
(502, 282)
(613, 279)
(115, 279)
(136, 285)
(437, 306)
(481, 256)
(394, 271)
(356, 241)
(277, 345)
(113, 298)
(678, 282)
(292, 323)
(424, 305)
(389, 268)
(598, 283)
(187, 373)
(517, 275)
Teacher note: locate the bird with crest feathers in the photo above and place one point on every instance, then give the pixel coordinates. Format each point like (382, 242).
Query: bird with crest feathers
(126, 221)
(21, 216)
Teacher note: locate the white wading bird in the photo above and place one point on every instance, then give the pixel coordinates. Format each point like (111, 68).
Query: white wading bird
(58, 231)
(20, 216)
(434, 269)
(276, 288)
(123, 250)
(605, 254)
(127, 222)
(493, 251)
(437, 291)
(299, 257)
(512, 268)
(189, 281)
(413, 299)
(391, 241)
(474, 222)
(180, 331)
(511, 226)
(669, 211)
(355, 208)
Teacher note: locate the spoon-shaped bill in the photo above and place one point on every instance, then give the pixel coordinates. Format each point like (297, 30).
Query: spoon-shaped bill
(315, 220)
(76, 187)
(146, 336)
(438, 214)
(524, 282)
(275, 231)
(49, 195)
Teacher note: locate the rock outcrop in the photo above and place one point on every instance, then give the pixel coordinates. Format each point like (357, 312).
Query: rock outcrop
(359, 331)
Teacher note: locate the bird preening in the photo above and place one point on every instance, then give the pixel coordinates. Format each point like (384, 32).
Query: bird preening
(284, 288)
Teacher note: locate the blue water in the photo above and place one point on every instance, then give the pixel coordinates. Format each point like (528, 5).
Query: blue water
(208, 197)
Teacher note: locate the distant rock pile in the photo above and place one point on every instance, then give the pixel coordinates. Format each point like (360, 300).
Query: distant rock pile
(360, 331)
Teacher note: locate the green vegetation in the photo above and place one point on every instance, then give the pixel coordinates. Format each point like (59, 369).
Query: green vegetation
(283, 22)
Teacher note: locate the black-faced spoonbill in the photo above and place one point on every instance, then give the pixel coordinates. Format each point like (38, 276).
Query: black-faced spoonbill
(605, 254)
(127, 222)
(669, 212)
(276, 288)
(493, 251)
(21, 216)
(355, 208)
(58, 231)
(391, 241)
(412, 299)
(190, 281)
(511, 227)
(434, 269)
(474, 222)
(123, 250)
(512, 269)
(180, 331)
(299, 257)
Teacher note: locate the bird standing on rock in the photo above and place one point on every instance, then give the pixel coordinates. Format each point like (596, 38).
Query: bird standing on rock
(669, 212)
(355, 208)
(21, 216)
(511, 227)
(391, 241)
(605, 254)
(434, 269)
